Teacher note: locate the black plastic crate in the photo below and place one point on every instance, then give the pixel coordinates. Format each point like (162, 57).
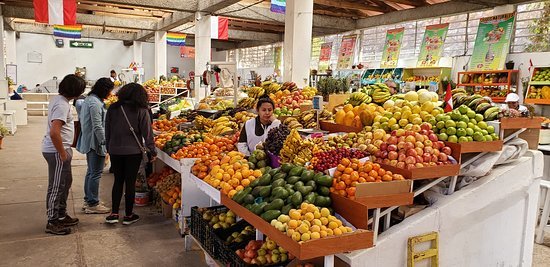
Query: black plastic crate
(204, 233)
(232, 247)
(233, 260)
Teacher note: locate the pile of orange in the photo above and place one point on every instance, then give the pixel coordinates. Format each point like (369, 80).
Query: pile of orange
(165, 125)
(350, 172)
(211, 146)
(232, 174)
(172, 196)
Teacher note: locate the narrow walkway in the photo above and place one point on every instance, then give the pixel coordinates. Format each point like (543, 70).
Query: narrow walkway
(153, 241)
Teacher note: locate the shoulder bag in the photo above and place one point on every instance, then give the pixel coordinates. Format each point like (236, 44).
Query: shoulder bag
(142, 147)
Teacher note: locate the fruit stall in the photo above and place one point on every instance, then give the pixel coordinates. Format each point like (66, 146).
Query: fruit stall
(538, 90)
(493, 83)
(326, 185)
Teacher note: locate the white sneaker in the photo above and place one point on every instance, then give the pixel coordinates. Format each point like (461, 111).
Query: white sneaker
(84, 206)
(97, 209)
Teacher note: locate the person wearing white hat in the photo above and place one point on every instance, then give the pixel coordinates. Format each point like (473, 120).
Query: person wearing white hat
(512, 102)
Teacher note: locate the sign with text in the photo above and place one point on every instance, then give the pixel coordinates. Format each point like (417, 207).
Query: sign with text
(324, 56)
(187, 52)
(81, 44)
(492, 42)
(346, 53)
(392, 47)
(432, 45)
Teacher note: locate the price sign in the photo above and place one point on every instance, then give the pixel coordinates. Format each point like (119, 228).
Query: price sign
(317, 103)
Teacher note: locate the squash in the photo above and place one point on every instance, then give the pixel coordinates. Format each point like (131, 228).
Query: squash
(545, 92)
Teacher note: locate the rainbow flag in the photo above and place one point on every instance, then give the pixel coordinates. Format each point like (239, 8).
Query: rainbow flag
(175, 38)
(278, 6)
(68, 31)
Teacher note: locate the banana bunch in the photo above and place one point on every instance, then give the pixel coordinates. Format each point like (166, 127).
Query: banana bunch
(380, 93)
(358, 98)
(491, 113)
(320, 145)
(293, 123)
(255, 92)
(242, 116)
(247, 103)
(296, 150)
(309, 118)
(203, 123)
(290, 86)
(271, 87)
(223, 126)
(309, 92)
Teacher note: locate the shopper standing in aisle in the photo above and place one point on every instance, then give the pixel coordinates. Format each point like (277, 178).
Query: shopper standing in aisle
(128, 133)
(255, 130)
(92, 143)
(56, 149)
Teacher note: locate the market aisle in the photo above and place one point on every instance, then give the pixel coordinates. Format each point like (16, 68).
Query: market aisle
(152, 241)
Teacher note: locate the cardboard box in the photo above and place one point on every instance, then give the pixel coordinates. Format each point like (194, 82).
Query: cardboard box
(166, 210)
(335, 100)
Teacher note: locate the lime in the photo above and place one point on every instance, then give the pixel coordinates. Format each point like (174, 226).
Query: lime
(491, 129)
(471, 114)
(469, 131)
(461, 124)
(440, 125)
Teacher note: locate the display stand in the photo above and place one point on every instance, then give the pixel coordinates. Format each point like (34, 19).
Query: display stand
(534, 95)
(232, 67)
(477, 80)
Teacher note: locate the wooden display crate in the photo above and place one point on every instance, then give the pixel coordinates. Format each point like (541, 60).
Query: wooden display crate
(332, 127)
(359, 239)
(509, 126)
(477, 147)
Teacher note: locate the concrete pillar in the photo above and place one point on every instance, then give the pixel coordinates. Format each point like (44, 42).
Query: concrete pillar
(10, 48)
(138, 53)
(2, 51)
(297, 43)
(203, 50)
(160, 53)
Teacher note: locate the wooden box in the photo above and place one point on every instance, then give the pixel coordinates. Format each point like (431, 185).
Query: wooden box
(359, 239)
(509, 126)
(425, 172)
(332, 127)
(477, 147)
(335, 100)
(385, 194)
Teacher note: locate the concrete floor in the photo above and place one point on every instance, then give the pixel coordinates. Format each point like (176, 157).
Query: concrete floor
(153, 241)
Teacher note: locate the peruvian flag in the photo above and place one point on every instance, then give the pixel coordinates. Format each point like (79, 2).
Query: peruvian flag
(219, 28)
(449, 99)
(55, 12)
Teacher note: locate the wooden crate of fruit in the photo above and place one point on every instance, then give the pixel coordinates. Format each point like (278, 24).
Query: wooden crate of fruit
(310, 249)
(478, 147)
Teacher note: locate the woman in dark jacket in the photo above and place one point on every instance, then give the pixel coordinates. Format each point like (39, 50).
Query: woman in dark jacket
(125, 152)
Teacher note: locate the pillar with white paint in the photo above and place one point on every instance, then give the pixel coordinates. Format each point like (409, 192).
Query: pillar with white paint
(203, 50)
(160, 53)
(297, 43)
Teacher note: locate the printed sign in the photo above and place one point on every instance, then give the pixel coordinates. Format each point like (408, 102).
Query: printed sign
(492, 42)
(392, 47)
(432, 45)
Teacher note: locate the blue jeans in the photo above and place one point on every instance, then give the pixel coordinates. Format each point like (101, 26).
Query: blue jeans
(91, 181)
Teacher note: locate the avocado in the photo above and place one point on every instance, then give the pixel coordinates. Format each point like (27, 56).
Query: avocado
(322, 201)
(249, 199)
(310, 198)
(276, 204)
(296, 199)
(323, 191)
(280, 175)
(312, 184)
(323, 180)
(293, 179)
(286, 209)
(270, 215)
(286, 167)
(265, 191)
(265, 179)
(306, 189)
(307, 176)
(280, 192)
(296, 171)
(278, 183)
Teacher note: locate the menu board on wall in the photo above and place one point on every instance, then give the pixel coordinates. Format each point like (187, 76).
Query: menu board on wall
(492, 42)
(324, 56)
(346, 53)
(432, 45)
(392, 47)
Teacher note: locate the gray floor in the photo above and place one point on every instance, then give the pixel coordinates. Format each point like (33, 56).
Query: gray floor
(153, 241)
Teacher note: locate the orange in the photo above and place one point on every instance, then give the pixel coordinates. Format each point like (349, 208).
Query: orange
(387, 177)
(368, 167)
(239, 188)
(340, 167)
(373, 173)
(257, 173)
(226, 177)
(345, 162)
(232, 193)
(381, 172)
(348, 170)
(354, 176)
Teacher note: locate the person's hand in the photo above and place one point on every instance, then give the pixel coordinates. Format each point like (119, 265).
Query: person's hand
(272, 118)
(64, 156)
(153, 158)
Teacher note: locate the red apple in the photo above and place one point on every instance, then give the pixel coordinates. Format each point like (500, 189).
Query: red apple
(425, 126)
(446, 150)
(401, 157)
(433, 137)
(393, 140)
(435, 158)
(408, 145)
(384, 146)
(393, 155)
(410, 138)
(401, 145)
(411, 166)
(423, 132)
(419, 151)
(442, 157)
(419, 144)
(401, 165)
(412, 152)
(419, 165)
(419, 159)
(392, 148)
(428, 149)
(393, 162)
(410, 160)
(428, 143)
(386, 161)
(427, 157)
(419, 137)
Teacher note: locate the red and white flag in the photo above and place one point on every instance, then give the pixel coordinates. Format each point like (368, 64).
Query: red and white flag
(219, 28)
(449, 99)
(530, 65)
(55, 12)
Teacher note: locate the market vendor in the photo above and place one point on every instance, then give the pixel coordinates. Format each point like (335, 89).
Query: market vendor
(255, 130)
(512, 102)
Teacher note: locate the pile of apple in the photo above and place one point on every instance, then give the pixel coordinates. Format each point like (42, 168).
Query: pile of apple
(258, 252)
(409, 149)
(291, 100)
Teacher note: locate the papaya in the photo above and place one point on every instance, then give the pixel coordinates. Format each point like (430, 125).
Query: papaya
(348, 119)
(339, 116)
(286, 167)
(296, 199)
(293, 179)
(278, 183)
(307, 176)
(265, 179)
(357, 122)
(348, 108)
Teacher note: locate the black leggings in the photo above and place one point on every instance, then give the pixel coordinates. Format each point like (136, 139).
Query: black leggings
(125, 168)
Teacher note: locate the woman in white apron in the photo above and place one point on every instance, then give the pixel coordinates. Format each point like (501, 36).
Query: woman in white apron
(255, 130)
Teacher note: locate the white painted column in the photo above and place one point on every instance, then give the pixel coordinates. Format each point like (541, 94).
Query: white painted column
(203, 51)
(160, 53)
(10, 48)
(138, 53)
(297, 43)
(2, 51)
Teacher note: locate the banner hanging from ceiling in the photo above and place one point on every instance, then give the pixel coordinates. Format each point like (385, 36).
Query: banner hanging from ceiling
(176, 38)
(346, 52)
(492, 42)
(187, 52)
(55, 12)
(324, 56)
(278, 6)
(392, 47)
(432, 45)
(68, 31)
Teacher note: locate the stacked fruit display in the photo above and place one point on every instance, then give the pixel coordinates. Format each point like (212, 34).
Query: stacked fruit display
(167, 125)
(242, 116)
(309, 118)
(247, 103)
(477, 103)
(262, 253)
(275, 139)
(308, 222)
(178, 140)
(180, 104)
(379, 92)
(358, 98)
(154, 178)
(222, 220)
(348, 140)
(290, 86)
(350, 172)
(255, 92)
(168, 90)
(110, 100)
(541, 75)
(258, 158)
(464, 125)
(209, 146)
(279, 190)
(358, 116)
(270, 87)
(293, 123)
(169, 188)
(232, 175)
(296, 149)
(323, 161)
(292, 100)
(408, 149)
(224, 126)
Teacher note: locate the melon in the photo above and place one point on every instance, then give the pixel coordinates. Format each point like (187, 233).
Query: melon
(435, 96)
(545, 92)
(424, 97)
(411, 96)
(389, 104)
(357, 122)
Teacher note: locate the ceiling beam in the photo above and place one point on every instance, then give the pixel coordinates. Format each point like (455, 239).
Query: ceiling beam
(86, 33)
(351, 5)
(115, 10)
(84, 19)
(414, 3)
(179, 5)
(214, 5)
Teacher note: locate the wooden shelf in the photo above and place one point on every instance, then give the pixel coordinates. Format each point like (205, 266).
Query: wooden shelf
(483, 84)
(477, 147)
(488, 71)
(498, 99)
(539, 83)
(537, 101)
(360, 239)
